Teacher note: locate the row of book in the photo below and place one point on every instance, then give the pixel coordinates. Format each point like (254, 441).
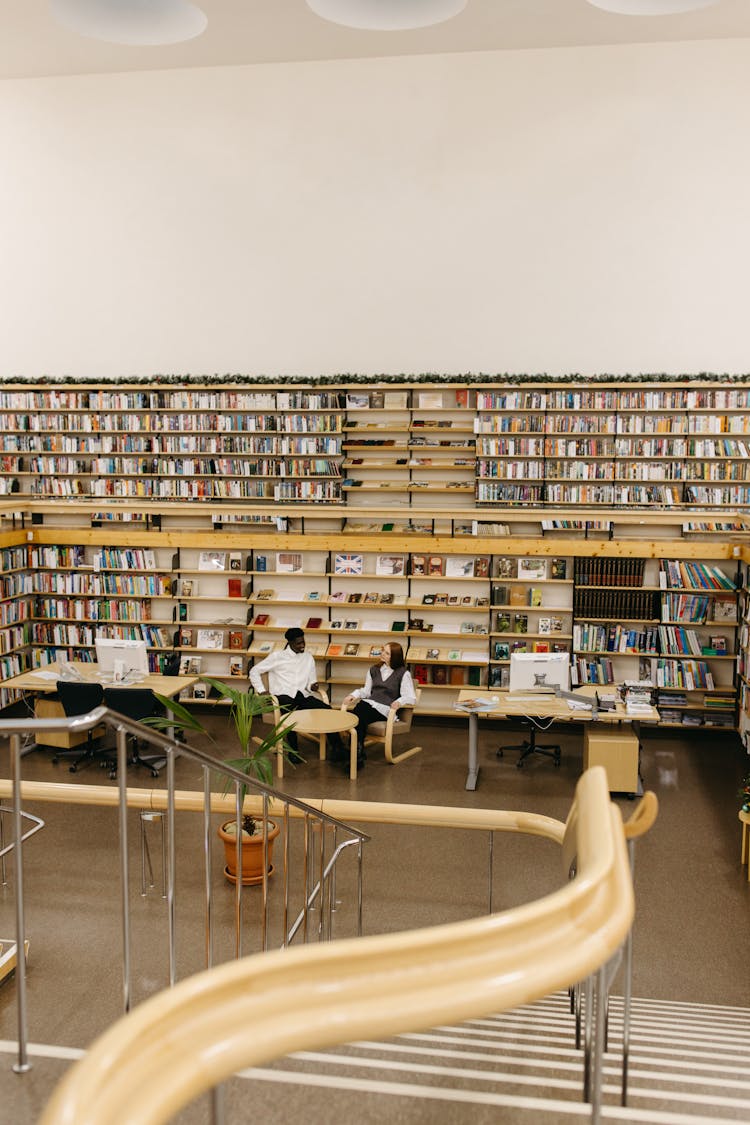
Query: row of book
(687, 674)
(623, 605)
(46, 633)
(684, 573)
(589, 637)
(93, 609)
(675, 639)
(13, 610)
(597, 571)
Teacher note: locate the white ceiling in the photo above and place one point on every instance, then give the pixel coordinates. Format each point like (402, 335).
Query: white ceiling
(263, 31)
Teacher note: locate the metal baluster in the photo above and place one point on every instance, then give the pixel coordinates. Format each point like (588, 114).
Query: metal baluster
(122, 786)
(23, 1063)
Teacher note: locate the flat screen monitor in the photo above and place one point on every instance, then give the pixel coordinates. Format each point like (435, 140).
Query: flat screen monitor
(119, 659)
(539, 671)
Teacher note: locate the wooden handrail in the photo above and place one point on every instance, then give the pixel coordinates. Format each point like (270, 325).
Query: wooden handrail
(359, 812)
(182, 1042)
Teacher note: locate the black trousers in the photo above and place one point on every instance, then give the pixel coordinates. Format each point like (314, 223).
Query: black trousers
(366, 714)
(300, 702)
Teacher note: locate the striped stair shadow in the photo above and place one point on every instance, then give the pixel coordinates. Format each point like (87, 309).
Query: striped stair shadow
(689, 1063)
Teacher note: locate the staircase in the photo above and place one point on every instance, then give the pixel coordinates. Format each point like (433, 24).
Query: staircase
(689, 1063)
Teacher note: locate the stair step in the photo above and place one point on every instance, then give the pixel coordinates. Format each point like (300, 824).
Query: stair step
(689, 1063)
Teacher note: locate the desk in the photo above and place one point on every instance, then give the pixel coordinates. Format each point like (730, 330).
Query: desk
(36, 682)
(501, 705)
(322, 722)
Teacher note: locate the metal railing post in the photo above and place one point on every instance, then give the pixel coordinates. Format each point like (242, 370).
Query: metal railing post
(23, 1063)
(122, 785)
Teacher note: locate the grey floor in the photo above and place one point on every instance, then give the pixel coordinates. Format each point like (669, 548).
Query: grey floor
(693, 898)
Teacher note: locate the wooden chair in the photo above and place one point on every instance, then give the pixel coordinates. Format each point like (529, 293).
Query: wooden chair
(271, 718)
(397, 723)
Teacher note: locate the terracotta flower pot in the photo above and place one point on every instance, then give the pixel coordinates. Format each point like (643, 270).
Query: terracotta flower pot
(252, 852)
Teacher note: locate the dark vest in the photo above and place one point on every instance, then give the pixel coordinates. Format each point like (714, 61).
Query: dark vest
(387, 691)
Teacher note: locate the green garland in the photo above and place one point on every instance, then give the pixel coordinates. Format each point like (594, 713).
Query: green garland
(468, 379)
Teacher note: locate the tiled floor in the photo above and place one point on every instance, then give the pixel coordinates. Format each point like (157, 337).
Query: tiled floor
(693, 898)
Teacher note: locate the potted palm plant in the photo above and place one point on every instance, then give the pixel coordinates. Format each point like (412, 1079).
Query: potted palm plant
(255, 760)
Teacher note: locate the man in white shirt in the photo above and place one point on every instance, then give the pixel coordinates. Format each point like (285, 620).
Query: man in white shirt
(291, 678)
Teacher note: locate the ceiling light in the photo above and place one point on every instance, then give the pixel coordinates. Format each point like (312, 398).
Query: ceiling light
(651, 7)
(142, 23)
(386, 15)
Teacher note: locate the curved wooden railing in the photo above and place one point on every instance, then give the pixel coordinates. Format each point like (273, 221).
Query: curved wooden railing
(187, 1040)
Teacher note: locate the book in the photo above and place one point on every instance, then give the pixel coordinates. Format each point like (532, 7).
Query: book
(288, 562)
(337, 624)
(386, 599)
(338, 596)
(235, 560)
(371, 596)
(183, 611)
(348, 564)
(334, 650)
(436, 564)
(209, 638)
(418, 565)
(725, 609)
(439, 674)
(390, 565)
(456, 676)
(190, 665)
(505, 568)
(520, 623)
(532, 568)
(482, 566)
(558, 568)
(433, 654)
(234, 587)
(541, 646)
(376, 650)
(236, 666)
(519, 595)
(212, 560)
(501, 651)
(236, 638)
(544, 625)
(354, 598)
(398, 626)
(314, 622)
(264, 595)
(313, 596)
(261, 563)
(188, 588)
(261, 619)
(457, 567)
(351, 650)
(351, 624)
(535, 595)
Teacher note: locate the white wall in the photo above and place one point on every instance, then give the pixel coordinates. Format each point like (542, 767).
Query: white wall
(569, 210)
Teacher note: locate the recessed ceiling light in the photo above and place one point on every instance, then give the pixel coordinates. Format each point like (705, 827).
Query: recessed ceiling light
(386, 15)
(651, 7)
(142, 23)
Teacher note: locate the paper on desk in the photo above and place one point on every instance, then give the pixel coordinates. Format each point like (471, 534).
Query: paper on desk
(474, 705)
(43, 674)
(578, 705)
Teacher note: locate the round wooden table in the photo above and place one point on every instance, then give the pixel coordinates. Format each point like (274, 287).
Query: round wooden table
(323, 721)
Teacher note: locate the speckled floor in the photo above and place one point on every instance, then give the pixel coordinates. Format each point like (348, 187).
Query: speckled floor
(693, 898)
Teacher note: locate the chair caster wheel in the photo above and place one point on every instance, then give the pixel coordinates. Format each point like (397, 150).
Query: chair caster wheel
(154, 773)
(113, 774)
(499, 754)
(519, 765)
(71, 769)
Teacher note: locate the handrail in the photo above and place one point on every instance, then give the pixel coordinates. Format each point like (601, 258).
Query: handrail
(362, 812)
(182, 1042)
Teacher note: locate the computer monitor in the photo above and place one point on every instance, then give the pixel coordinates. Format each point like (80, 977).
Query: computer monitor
(539, 671)
(120, 659)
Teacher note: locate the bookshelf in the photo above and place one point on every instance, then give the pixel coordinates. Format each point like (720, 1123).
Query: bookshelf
(677, 445)
(16, 604)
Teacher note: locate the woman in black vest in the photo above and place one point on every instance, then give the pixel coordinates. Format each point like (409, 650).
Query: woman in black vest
(388, 686)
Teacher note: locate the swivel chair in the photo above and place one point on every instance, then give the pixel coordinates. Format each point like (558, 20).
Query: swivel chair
(135, 703)
(529, 746)
(78, 699)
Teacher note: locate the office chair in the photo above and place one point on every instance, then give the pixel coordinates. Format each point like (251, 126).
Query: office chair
(529, 746)
(79, 699)
(135, 703)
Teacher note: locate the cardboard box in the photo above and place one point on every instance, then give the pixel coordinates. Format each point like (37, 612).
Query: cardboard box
(617, 751)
